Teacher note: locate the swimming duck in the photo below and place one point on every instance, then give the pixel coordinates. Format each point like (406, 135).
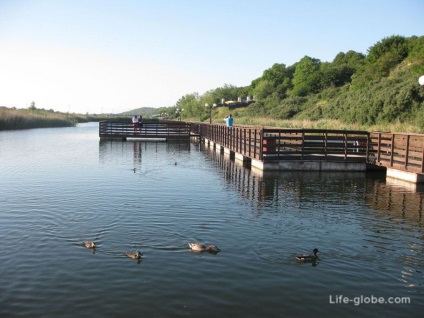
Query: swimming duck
(89, 244)
(202, 248)
(308, 258)
(137, 255)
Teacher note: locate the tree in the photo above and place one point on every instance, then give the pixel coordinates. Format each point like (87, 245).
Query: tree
(416, 53)
(335, 75)
(395, 45)
(276, 79)
(32, 106)
(190, 104)
(351, 58)
(228, 91)
(306, 78)
(263, 89)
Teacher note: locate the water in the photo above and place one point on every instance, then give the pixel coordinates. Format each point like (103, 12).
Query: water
(60, 187)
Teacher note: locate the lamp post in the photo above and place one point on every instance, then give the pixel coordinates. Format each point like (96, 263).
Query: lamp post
(210, 113)
(421, 81)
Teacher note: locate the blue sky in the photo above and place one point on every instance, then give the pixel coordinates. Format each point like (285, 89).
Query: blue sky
(116, 55)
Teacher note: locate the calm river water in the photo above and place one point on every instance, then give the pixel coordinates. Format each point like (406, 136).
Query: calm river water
(60, 187)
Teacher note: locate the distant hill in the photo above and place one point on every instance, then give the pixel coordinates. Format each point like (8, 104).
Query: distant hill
(143, 111)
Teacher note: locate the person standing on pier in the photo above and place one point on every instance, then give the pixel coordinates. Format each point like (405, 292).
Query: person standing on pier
(229, 120)
(140, 122)
(135, 123)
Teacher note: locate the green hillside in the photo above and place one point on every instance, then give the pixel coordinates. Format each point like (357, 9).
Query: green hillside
(379, 89)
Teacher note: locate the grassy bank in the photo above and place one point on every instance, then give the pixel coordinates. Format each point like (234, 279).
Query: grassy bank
(242, 117)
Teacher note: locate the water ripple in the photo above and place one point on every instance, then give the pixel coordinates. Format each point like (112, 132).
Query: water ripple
(129, 196)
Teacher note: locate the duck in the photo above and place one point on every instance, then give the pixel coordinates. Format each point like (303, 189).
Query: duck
(196, 247)
(308, 258)
(137, 255)
(89, 244)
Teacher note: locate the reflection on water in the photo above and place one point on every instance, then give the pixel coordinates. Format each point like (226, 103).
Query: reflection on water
(116, 149)
(398, 206)
(61, 187)
(397, 201)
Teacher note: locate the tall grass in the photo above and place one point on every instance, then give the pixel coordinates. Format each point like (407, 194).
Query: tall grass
(241, 117)
(11, 119)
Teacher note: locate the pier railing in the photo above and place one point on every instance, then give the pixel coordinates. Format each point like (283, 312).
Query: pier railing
(314, 144)
(269, 144)
(398, 151)
(391, 150)
(164, 130)
(241, 139)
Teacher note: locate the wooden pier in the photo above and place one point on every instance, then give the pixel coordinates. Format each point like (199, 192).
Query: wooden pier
(172, 130)
(294, 149)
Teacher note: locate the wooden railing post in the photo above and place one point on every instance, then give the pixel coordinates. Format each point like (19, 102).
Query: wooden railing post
(407, 152)
(422, 156)
(392, 150)
(254, 143)
(325, 144)
(367, 154)
(244, 142)
(345, 145)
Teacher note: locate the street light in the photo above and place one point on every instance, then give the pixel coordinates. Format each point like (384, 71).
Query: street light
(421, 81)
(210, 113)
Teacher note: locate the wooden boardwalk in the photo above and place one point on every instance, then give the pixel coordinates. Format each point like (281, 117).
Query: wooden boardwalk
(275, 147)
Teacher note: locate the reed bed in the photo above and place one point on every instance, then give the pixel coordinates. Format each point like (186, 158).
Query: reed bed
(11, 119)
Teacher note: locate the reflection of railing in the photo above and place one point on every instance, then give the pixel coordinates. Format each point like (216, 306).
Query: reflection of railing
(165, 130)
(395, 202)
(399, 151)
